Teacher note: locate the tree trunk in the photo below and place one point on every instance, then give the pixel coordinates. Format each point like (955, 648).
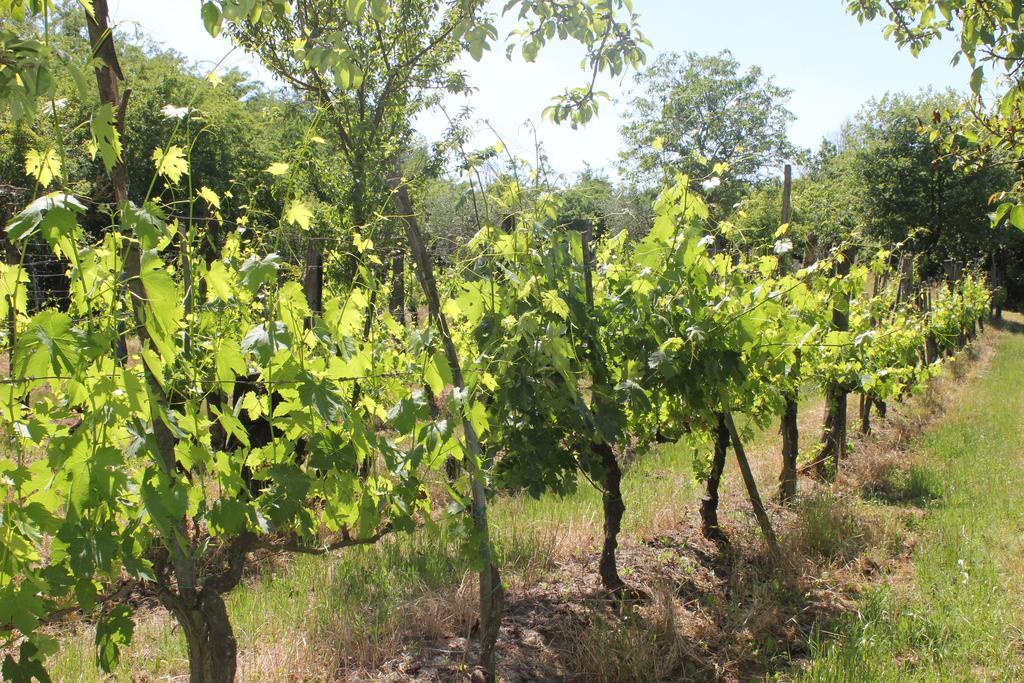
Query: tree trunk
(212, 649)
(614, 509)
(709, 505)
(790, 450)
(931, 349)
(833, 441)
(866, 402)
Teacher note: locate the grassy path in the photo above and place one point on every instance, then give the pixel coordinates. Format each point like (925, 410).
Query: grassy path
(958, 617)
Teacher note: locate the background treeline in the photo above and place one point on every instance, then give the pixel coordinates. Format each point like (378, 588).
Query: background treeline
(883, 179)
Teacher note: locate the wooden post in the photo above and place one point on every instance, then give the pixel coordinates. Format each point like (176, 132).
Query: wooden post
(787, 193)
(833, 442)
(906, 290)
(491, 592)
(397, 302)
(13, 258)
(313, 276)
(748, 478)
(789, 426)
(108, 78)
(949, 268)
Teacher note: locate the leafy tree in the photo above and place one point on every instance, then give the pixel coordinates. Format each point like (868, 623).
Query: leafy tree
(587, 203)
(991, 39)
(887, 182)
(907, 192)
(707, 118)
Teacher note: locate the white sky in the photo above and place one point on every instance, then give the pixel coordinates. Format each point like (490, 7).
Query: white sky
(813, 47)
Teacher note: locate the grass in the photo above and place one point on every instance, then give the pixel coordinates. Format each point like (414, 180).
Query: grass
(355, 614)
(959, 616)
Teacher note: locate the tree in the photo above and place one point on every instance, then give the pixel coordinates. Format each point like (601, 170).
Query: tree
(705, 117)
(885, 180)
(907, 192)
(990, 128)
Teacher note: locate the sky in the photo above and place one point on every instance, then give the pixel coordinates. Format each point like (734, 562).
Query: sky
(832, 64)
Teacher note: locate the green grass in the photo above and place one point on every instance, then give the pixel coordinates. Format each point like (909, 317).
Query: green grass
(960, 617)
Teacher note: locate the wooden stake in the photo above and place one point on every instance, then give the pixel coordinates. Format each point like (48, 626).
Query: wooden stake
(491, 591)
(748, 479)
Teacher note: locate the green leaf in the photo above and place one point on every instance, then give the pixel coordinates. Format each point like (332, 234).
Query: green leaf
(14, 284)
(113, 632)
(29, 666)
(212, 19)
(165, 503)
(298, 214)
(218, 282)
(354, 10)
(211, 197)
(163, 303)
(170, 164)
(1017, 216)
(228, 517)
(147, 223)
(81, 81)
(403, 415)
(48, 346)
(105, 138)
(55, 214)
(977, 79)
(278, 168)
(259, 271)
(379, 10)
(437, 373)
(319, 396)
(43, 166)
(229, 364)
(263, 341)
(556, 304)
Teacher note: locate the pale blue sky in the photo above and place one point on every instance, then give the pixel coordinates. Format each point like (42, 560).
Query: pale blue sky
(832, 64)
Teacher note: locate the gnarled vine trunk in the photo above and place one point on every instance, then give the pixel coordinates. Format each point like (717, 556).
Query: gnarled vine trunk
(614, 509)
(611, 497)
(865, 413)
(396, 302)
(709, 505)
(212, 648)
(833, 440)
(790, 431)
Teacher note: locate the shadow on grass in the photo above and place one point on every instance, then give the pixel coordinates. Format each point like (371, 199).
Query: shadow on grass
(915, 486)
(1007, 325)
